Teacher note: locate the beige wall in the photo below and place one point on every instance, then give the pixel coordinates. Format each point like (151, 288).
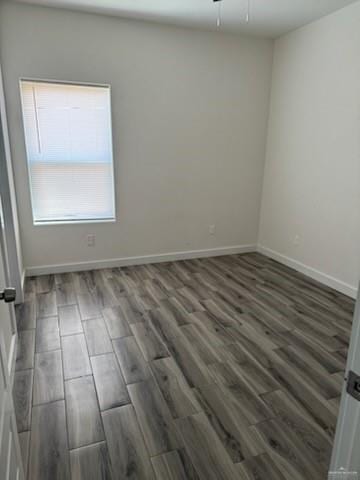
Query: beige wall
(312, 174)
(190, 112)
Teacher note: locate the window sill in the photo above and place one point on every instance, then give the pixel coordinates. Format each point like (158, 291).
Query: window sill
(72, 222)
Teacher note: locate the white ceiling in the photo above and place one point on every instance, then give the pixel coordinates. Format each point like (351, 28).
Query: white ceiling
(269, 18)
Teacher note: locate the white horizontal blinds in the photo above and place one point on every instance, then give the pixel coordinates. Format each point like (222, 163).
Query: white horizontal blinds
(68, 141)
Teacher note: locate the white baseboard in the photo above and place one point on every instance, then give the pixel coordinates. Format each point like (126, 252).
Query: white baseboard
(321, 277)
(140, 260)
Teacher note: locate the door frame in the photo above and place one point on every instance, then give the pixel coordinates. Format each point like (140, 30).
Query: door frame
(10, 250)
(345, 455)
(7, 189)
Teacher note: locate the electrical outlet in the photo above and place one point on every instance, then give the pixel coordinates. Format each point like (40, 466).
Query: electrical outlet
(91, 240)
(212, 229)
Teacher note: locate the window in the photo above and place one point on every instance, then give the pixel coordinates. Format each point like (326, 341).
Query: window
(69, 151)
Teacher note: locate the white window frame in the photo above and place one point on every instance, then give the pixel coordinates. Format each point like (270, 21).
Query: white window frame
(76, 221)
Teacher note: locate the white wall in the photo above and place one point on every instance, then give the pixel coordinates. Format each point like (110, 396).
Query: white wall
(312, 172)
(190, 112)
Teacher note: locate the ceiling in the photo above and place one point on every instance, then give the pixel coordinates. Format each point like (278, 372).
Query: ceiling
(268, 18)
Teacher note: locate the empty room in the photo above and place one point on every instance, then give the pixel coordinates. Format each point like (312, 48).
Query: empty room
(180, 239)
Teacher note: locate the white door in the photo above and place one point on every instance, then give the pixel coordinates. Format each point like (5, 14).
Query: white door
(345, 462)
(10, 457)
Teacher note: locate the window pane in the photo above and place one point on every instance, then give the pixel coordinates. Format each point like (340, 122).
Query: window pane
(68, 141)
(69, 191)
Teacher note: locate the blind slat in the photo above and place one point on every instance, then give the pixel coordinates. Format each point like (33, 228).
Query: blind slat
(69, 150)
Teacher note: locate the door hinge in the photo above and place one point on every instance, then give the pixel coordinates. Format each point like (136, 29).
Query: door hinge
(8, 295)
(353, 385)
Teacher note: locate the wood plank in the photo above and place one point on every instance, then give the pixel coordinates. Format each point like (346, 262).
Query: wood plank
(168, 280)
(203, 345)
(46, 304)
(65, 294)
(143, 301)
(174, 307)
(282, 443)
(239, 395)
(22, 396)
(131, 360)
(260, 324)
(128, 453)
(26, 349)
(226, 297)
(328, 360)
(211, 460)
(61, 278)
(316, 405)
(222, 312)
(117, 287)
(246, 333)
(246, 348)
(29, 288)
(110, 385)
(179, 270)
(236, 353)
(75, 356)
(97, 337)
(210, 326)
(151, 346)
(335, 402)
(82, 282)
(83, 414)
(174, 465)
(47, 334)
(187, 301)
(229, 422)
(26, 315)
(190, 363)
(155, 290)
(49, 455)
(48, 377)
(154, 417)
(88, 306)
(131, 311)
(69, 320)
(116, 322)
(44, 283)
(164, 323)
(174, 388)
(257, 378)
(313, 373)
(261, 467)
(103, 293)
(319, 334)
(91, 463)
(24, 440)
(302, 425)
(199, 290)
(275, 320)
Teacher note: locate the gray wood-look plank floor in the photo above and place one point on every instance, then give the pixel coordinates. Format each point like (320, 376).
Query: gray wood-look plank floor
(219, 368)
